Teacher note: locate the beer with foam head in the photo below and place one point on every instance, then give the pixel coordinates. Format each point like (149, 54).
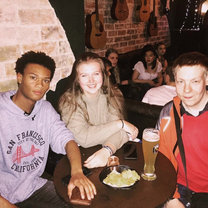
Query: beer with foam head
(150, 145)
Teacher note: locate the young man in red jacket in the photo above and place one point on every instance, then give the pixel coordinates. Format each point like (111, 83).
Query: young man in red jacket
(188, 155)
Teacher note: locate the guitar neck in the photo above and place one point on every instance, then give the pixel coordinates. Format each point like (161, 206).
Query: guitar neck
(96, 10)
(154, 7)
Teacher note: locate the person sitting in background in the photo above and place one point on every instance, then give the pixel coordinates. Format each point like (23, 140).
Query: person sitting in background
(183, 131)
(126, 87)
(147, 72)
(164, 93)
(28, 125)
(112, 55)
(92, 111)
(161, 50)
(108, 66)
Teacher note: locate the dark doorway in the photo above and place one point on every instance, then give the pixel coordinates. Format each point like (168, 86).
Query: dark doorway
(71, 16)
(185, 23)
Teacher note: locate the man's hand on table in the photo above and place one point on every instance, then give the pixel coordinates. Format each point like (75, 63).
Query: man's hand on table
(85, 186)
(78, 179)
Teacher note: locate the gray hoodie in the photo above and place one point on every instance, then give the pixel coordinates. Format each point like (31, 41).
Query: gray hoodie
(24, 145)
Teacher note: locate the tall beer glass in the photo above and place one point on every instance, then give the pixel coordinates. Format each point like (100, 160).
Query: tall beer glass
(150, 145)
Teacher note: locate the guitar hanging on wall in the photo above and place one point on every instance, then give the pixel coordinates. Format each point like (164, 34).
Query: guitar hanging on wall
(95, 36)
(144, 12)
(119, 10)
(152, 23)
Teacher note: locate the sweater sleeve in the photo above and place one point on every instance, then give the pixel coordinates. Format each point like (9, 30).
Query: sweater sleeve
(88, 135)
(117, 139)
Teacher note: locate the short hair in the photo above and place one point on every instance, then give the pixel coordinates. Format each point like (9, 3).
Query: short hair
(109, 51)
(32, 57)
(191, 59)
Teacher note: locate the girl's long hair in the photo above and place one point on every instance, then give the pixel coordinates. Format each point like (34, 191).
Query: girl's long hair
(69, 100)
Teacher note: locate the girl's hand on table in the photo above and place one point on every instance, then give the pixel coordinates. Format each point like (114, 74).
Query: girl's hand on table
(98, 159)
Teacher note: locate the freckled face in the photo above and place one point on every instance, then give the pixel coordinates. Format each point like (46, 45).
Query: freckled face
(191, 86)
(113, 58)
(90, 78)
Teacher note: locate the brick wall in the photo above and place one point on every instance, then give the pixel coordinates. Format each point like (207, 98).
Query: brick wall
(129, 34)
(31, 25)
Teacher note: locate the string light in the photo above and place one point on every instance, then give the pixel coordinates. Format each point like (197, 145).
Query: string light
(192, 20)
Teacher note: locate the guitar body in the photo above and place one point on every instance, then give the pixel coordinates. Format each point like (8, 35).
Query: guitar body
(152, 25)
(144, 12)
(119, 10)
(95, 34)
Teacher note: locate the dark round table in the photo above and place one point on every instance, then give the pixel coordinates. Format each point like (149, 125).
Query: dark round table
(144, 194)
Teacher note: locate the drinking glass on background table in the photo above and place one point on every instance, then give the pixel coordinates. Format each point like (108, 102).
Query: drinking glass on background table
(150, 145)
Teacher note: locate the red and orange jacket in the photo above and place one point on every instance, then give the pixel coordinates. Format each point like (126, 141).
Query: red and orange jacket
(195, 141)
(168, 136)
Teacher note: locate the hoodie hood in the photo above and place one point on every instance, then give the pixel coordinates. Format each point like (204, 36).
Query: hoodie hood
(12, 108)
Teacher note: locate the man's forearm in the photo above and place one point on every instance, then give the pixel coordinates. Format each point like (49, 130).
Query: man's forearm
(74, 156)
(5, 203)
